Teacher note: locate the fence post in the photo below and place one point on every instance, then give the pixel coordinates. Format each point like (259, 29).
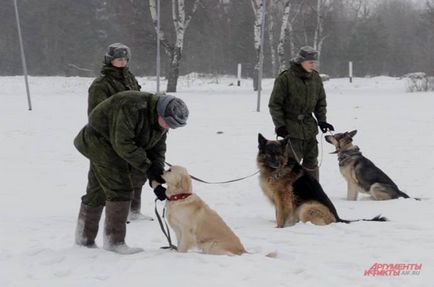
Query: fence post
(239, 74)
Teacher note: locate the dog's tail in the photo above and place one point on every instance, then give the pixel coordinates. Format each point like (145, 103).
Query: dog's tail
(402, 194)
(376, 218)
(405, 195)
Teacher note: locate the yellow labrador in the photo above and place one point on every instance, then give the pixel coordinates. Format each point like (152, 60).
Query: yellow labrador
(194, 222)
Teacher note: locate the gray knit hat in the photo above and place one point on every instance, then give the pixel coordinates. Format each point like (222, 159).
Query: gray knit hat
(306, 53)
(116, 50)
(173, 110)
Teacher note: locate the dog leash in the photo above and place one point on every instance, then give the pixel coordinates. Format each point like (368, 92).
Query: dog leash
(218, 182)
(165, 229)
(322, 152)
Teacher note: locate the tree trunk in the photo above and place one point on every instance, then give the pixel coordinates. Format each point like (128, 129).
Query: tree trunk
(173, 74)
(257, 9)
(174, 51)
(322, 8)
(271, 42)
(282, 38)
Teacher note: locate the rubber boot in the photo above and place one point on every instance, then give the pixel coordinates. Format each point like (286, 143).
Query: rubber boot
(136, 204)
(87, 225)
(115, 227)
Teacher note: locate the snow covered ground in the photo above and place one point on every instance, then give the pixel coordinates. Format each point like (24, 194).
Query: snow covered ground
(43, 177)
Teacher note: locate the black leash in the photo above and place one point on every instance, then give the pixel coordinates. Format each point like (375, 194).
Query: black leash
(166, 233)
(218, 182)
(298, 158)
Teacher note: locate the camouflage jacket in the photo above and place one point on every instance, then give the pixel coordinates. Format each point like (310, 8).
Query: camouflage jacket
(125, 126)
(297, 95)
(112, 80)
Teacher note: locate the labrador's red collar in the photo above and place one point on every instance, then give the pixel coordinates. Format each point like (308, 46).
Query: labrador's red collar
(178, 196)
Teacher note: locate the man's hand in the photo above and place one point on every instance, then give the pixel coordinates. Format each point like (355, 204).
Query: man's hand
(282, 132)
(325, 127)
(155, 172)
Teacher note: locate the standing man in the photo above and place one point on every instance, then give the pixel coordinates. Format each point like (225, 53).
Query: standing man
(116, 77)
(298, 94)
(126, 132)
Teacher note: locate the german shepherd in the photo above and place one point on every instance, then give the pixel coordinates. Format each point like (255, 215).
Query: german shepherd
(295, 194)
(360, 173)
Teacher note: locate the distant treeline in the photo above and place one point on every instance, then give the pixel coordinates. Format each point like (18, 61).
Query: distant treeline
(64, 37)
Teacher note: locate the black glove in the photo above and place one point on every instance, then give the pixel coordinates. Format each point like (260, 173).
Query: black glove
(324, 126)
(282, 132)
(160, 192)
(154, 173)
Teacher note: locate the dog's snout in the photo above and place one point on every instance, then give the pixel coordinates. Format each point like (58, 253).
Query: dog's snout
(273, 162)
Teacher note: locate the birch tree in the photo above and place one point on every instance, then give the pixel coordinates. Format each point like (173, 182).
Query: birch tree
(281, 17)
(286, 33)
(181, 19)
(323, 7)
(257, 10)
(270, 30)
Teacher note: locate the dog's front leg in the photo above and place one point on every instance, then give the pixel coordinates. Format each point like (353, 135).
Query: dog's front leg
(280, 218)
(283, 210)
(352, 191)
(185, 242)
(178, 236)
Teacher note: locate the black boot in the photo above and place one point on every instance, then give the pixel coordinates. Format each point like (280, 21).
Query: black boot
(115, 228)
(87, 225)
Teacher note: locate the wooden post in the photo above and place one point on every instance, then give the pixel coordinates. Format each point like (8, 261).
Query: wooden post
(350, 71)
(239, 74)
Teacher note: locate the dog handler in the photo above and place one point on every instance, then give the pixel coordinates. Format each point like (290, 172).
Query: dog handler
(126, 132)
(297, 94)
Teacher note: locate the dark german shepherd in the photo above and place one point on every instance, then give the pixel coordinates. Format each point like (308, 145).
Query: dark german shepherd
(360, 173)
(296, 195)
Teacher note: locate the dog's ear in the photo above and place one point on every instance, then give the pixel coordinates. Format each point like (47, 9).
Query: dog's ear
(352, 133)
(261, 140)
(186, 183)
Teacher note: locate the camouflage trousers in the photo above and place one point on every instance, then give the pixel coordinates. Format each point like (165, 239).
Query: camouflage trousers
(305, 150)
(110, 177)
(111, 183)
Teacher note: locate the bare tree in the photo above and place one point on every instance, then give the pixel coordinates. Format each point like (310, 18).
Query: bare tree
(319, 10)
(286, 31)
(283, 12)
(322, 8)
(181, 20)
(257, 10)
(270, 28)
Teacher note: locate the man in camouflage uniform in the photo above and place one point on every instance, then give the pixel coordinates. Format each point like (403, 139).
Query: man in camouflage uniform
(298, 94)
(126, 132)
(116, 77)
